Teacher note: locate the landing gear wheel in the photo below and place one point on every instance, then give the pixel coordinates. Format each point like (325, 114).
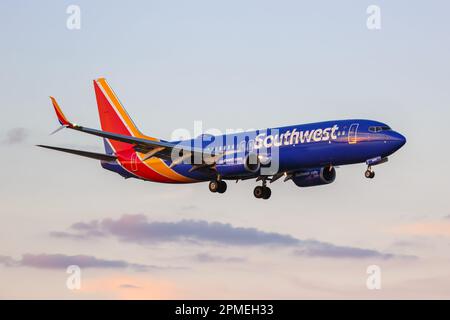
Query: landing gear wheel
(217, 186)
(258, 192)
(262, 192)
(214, 186)
(222, 187)
(266, 193)
(369, 174)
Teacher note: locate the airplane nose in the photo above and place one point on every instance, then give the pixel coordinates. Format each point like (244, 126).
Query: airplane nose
(398, 139)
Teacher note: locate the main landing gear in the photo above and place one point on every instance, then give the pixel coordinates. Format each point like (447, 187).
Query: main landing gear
(262, 192)
(218, 186)
(369, 174)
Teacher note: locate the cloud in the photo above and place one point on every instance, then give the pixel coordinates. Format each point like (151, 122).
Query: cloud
(16, 136)
(137, 229)
(7, 261)
(62, 234)
(208, 258)
(313, 248)
(83, 231)
(62, 261)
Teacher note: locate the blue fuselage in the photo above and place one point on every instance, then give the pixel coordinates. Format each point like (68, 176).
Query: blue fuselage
(299, 147)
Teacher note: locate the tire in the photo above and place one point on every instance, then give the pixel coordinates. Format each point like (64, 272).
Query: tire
(372, 175)
(222, 187)
(258, 192)
(214, 186)
(266, 193)
(368, 174)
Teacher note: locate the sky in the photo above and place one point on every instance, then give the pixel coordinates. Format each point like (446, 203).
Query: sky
(230, 64)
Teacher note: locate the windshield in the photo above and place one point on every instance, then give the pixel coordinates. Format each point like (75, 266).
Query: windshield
(379, 128)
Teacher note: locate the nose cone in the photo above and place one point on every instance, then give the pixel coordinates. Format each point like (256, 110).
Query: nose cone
(397, 140)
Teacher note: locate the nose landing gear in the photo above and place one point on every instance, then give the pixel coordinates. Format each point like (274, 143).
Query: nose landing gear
(369, 174)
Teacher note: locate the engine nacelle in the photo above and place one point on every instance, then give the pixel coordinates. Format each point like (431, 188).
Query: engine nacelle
(315, 177)
(250, 164)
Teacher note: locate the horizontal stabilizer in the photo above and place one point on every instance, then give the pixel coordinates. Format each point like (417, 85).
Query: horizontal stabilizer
(92, 155)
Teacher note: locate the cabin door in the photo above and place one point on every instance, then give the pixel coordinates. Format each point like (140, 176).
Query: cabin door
(353, 133)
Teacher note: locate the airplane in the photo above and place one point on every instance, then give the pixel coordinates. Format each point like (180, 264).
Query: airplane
(307, 154)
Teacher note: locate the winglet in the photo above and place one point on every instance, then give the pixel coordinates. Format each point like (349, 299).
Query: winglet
(61, 117)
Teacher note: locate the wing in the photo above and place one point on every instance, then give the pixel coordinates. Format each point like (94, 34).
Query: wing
(175, 152)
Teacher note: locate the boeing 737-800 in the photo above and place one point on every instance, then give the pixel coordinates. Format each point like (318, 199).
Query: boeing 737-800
(307, 154)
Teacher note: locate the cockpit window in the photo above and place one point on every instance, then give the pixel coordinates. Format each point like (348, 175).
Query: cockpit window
(379, 128)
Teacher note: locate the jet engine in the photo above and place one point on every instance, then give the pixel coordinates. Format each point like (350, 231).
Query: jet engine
(315, 177)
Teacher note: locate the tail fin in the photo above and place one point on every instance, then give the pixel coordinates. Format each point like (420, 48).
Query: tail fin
(113, 116)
